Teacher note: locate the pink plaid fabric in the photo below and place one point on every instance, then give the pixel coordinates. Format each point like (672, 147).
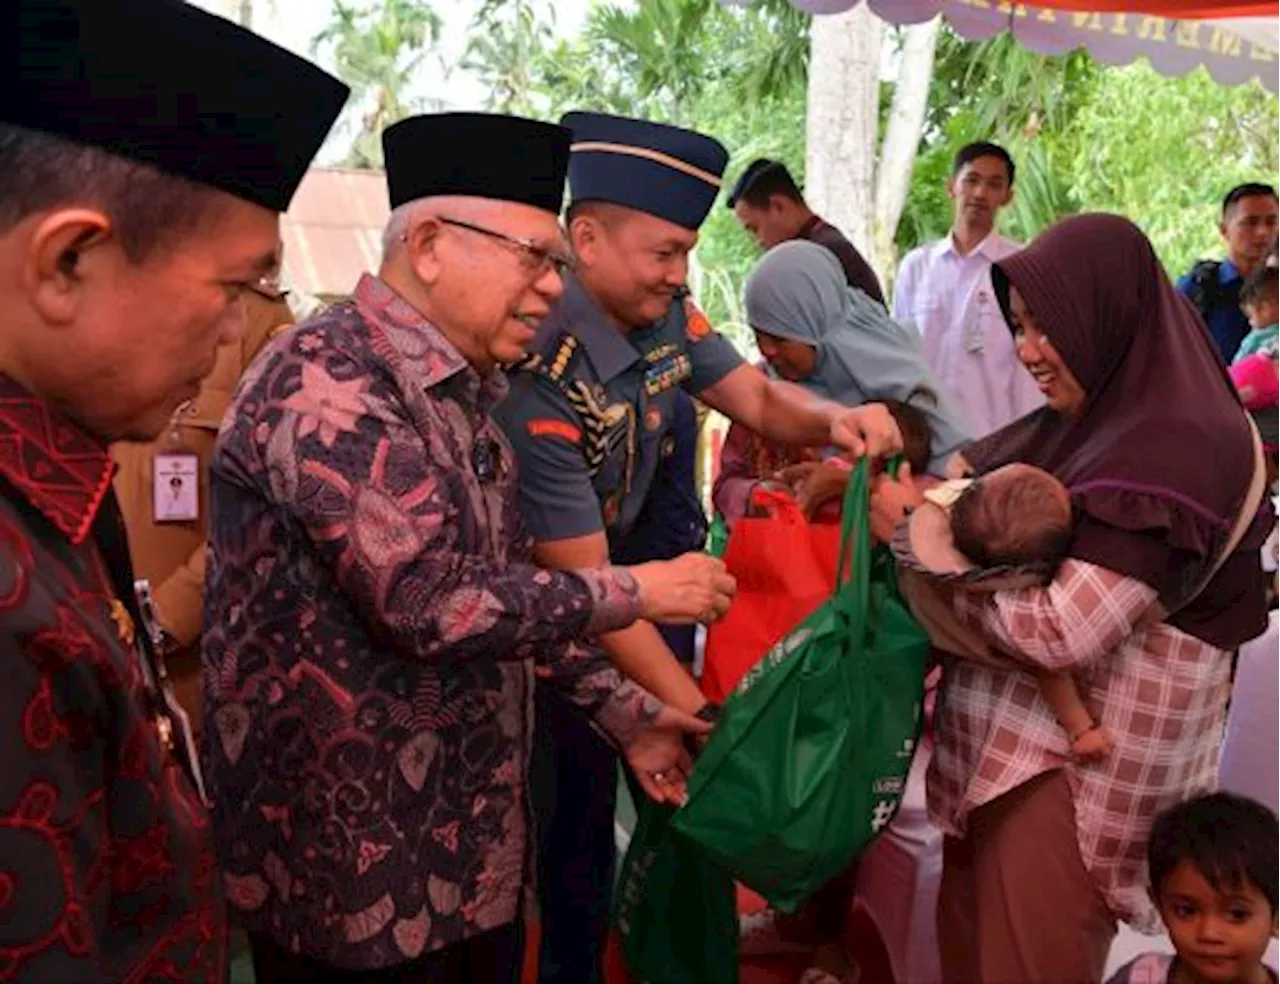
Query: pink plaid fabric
(1162, 693)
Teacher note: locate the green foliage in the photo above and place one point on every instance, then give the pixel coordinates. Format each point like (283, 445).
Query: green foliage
(1165, 151)
(508, 41)
(997, 90)
(376, 50)
(739, 74)
(1088, 137)
(1085, 136)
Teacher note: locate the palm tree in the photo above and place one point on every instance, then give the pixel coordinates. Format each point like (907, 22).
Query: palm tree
(376, 50)
(507, 45)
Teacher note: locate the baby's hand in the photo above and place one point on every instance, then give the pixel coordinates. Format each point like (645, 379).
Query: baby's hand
(1093, 745)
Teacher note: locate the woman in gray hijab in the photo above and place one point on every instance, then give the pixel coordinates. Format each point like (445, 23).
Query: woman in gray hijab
(815, 330)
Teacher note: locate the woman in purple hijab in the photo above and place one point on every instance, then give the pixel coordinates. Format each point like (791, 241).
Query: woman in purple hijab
(1044, 854)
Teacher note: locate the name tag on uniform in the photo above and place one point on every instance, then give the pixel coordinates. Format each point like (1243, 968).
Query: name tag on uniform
(175, 487)
(667, 373)
(975, 332)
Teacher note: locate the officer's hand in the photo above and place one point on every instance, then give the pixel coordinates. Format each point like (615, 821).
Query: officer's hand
(660, 758)
(692, 588)
(867, 431)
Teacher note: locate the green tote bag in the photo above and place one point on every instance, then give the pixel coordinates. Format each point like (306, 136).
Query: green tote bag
(810, 757)
(675, 910)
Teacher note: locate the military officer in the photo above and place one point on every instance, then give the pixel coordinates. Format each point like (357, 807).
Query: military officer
(588, 415)
(167, 531)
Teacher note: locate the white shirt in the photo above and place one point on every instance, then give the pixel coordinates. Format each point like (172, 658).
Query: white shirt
(950, 301)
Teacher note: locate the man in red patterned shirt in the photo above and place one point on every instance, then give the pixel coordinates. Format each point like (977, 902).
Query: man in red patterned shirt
(143, 176)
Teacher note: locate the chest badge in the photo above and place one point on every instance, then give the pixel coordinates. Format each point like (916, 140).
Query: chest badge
(652, 419)
(612, 509)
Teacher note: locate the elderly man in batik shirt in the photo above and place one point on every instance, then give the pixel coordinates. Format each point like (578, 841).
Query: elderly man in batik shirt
(375, 617)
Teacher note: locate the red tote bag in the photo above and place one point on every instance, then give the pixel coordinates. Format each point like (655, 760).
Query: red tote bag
(785, 567)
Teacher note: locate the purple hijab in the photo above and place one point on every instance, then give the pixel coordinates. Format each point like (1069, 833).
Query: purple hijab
(1161, 459)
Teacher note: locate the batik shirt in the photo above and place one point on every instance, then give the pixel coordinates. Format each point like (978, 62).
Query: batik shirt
(107, 869)
(373, 628)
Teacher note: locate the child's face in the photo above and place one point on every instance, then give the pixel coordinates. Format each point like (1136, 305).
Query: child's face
(1219, 936)
(1263, 313)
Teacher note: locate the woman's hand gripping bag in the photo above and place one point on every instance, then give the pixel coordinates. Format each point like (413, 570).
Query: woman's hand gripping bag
(811, 754)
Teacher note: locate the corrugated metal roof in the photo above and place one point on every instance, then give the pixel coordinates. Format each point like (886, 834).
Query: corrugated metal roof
(333, 230)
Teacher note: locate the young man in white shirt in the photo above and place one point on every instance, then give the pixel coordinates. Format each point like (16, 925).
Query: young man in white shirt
(944, 289)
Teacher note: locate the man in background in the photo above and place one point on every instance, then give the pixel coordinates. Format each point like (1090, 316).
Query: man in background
(1248, 228)
(168, 546)
(944, 289)
(771, 209)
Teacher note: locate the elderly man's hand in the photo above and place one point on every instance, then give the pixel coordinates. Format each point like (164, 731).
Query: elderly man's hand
(660, 758)
(867, 431)
(692, 588)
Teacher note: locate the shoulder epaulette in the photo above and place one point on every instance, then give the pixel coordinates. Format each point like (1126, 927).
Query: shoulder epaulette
(600, 421)
(555, 365)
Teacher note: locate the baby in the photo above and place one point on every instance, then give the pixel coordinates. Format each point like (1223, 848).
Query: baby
(1260, 301)
(1019, 516)
(1256, 370)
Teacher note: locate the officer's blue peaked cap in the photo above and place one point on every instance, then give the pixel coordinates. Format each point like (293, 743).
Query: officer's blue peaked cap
(663, 170)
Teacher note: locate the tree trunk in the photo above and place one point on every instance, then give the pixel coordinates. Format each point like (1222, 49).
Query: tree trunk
(840, 137)
(901, 141)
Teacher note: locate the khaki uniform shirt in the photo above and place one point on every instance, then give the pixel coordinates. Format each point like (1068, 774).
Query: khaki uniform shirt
(172, 555)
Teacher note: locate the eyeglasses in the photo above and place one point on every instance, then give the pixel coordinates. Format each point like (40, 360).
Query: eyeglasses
(533, 257)
(268, 286)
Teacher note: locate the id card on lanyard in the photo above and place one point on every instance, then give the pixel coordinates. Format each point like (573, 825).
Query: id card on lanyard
(975, 329)
(175, 478)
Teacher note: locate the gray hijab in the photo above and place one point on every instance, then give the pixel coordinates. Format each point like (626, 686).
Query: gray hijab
(798, 292)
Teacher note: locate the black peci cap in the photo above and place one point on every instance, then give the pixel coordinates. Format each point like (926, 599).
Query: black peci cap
(481, 155)
(662, 170)
(167, 84)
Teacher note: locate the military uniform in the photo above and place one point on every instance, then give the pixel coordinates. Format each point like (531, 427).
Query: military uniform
(672, 521)
(171, 555)
(590, 412)
(590, 419)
